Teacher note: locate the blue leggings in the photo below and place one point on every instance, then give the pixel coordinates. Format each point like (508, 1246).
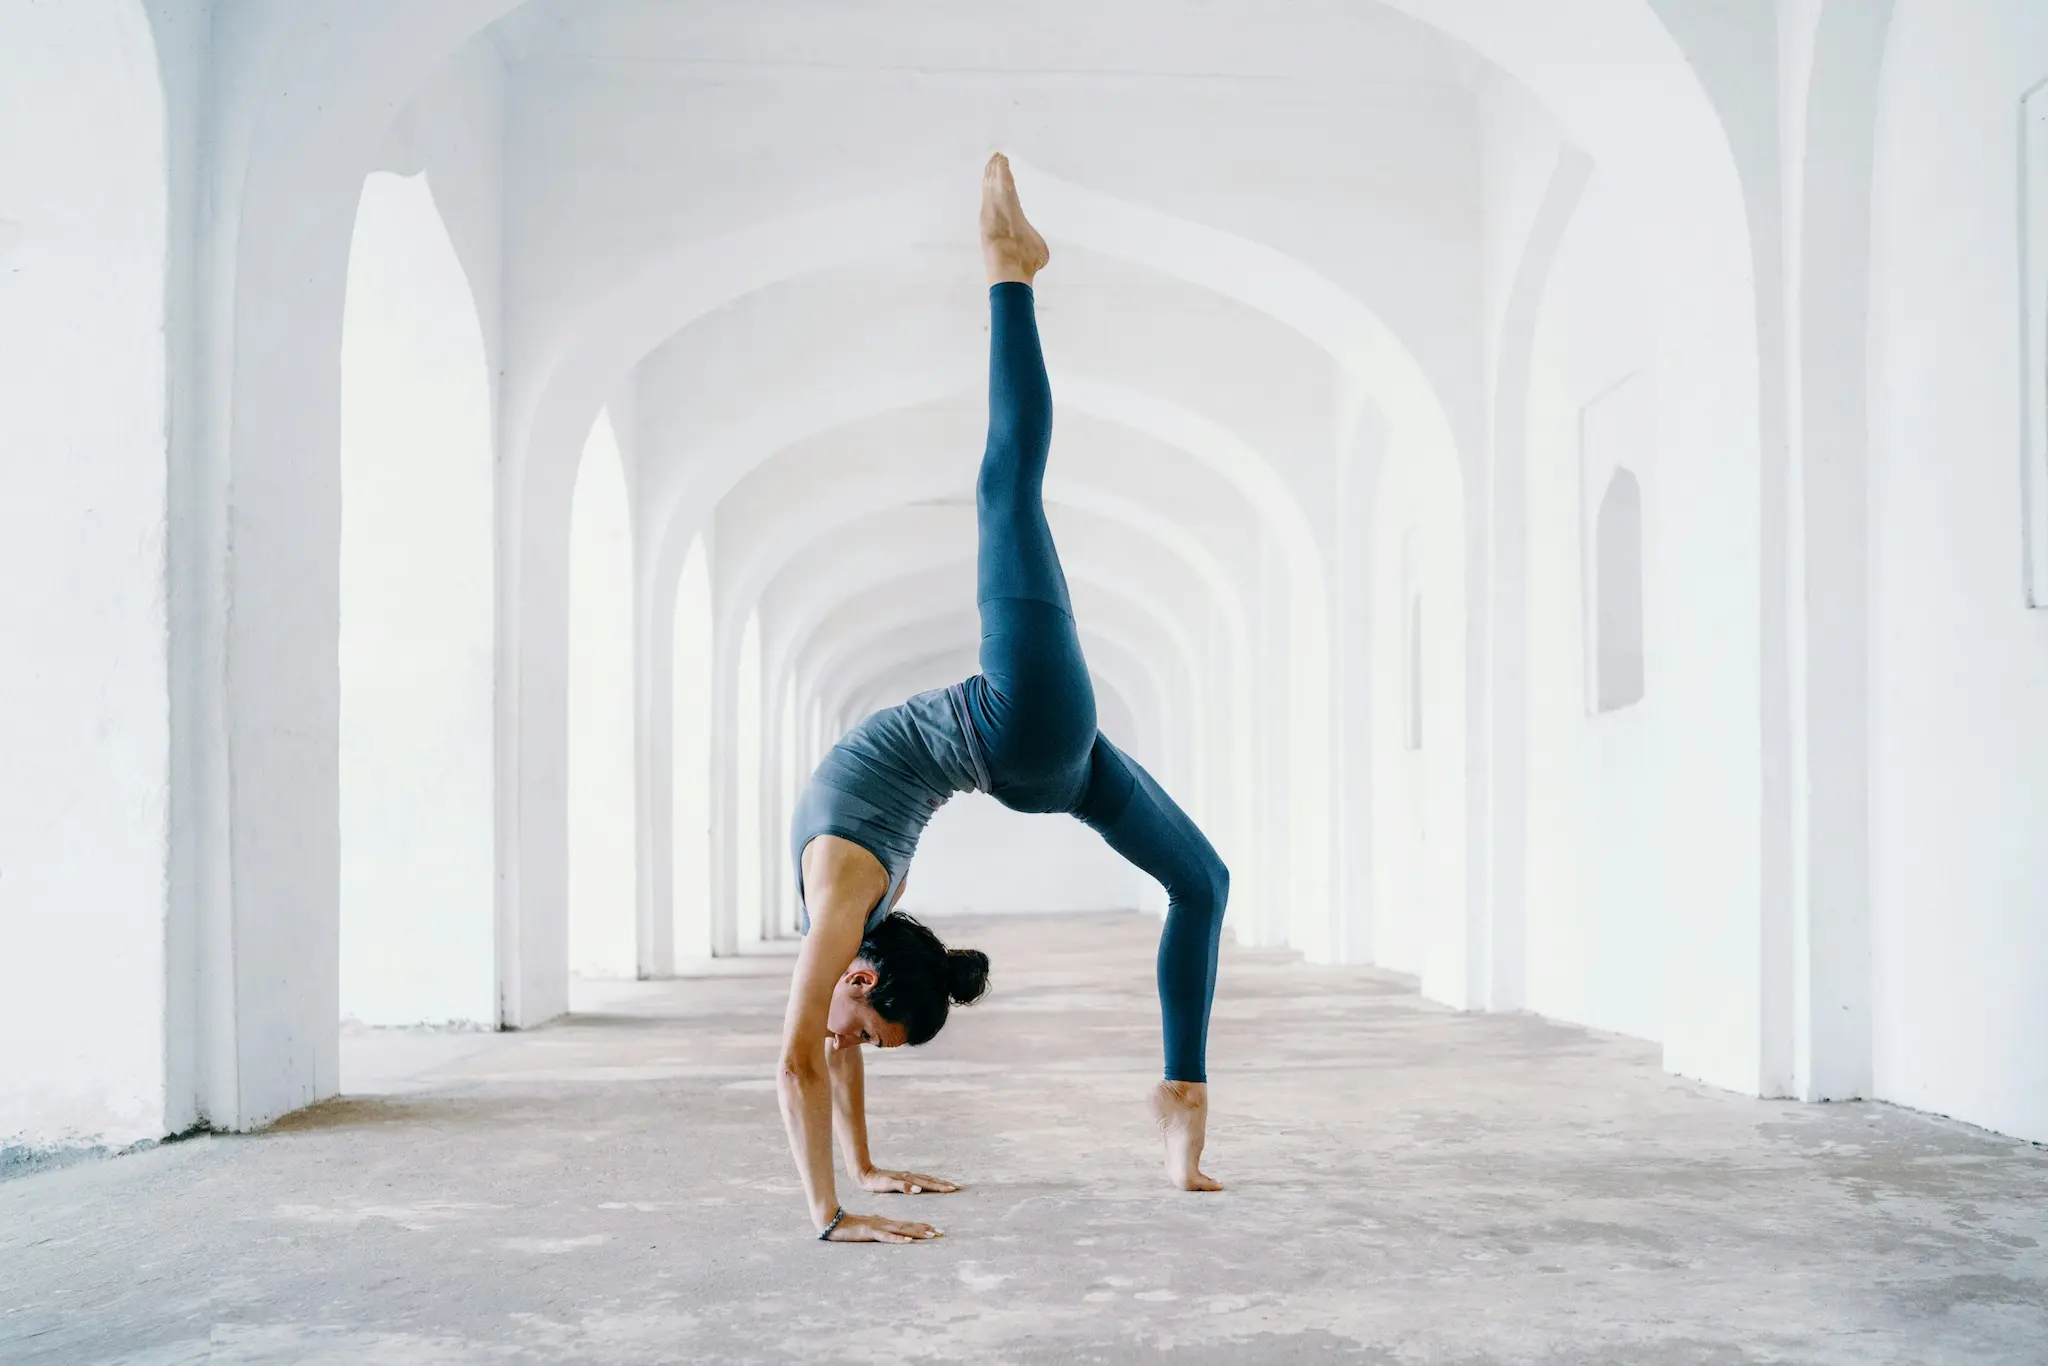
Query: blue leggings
(1032, 706)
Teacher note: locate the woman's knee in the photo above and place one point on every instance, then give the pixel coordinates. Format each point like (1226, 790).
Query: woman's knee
(1219, 879)
(1011, 468)
(1205, 886)
(1217, 875)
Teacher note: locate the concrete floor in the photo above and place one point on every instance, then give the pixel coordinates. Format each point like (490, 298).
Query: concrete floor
(1406, 1185)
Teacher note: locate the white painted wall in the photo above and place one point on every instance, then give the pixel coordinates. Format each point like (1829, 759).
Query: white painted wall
(1596, 797)
(1958, 662)
(1419, 831)
(85, 784)
(417, 615)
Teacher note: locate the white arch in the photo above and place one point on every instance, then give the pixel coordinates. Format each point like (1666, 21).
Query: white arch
(603, 926)
(690, 847)
(630, 320)
(298, 100)
(417, 759)
(753, 921)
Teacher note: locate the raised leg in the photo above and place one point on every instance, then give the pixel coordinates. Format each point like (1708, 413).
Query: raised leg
(1017, 558)
(1034, 706)
(1127, 807)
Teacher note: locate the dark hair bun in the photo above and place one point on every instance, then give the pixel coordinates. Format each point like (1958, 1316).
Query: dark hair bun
(966, 975)
(916, 975)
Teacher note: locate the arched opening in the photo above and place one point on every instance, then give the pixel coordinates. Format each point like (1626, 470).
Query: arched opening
(1618, 593)
(691, 728)
(417, 763)
(751, 912)
(783, 916)
(603, 926)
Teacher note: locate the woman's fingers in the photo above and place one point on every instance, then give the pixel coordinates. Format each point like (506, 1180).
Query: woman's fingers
(909, 1183)
(873, 1229)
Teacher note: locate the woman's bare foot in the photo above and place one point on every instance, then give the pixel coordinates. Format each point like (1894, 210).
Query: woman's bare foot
(1010, 247)
(1182, 1109)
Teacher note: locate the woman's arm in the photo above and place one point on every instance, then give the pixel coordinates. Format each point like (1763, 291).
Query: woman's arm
(850, 1123)
(839, 888)
(850, 1107)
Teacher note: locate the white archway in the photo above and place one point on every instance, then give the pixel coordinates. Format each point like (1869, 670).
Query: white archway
(752, 914)
(691, 712)
(789, 782)
(417, 760)
(603, 925)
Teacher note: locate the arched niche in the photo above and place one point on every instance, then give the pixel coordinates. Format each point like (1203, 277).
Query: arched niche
(1617, 617)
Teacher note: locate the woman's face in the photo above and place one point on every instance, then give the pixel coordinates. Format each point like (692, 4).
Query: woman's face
(851, 1021)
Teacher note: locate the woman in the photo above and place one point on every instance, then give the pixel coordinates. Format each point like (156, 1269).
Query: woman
(1022, 730)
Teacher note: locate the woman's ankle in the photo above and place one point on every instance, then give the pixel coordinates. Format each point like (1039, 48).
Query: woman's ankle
(1175, 1103)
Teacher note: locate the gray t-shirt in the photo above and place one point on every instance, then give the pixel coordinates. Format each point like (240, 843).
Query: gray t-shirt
(880, 785)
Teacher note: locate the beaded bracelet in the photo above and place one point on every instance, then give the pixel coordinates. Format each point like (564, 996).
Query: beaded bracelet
(825, 1234)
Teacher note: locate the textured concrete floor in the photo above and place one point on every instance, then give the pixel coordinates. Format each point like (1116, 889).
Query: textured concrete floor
(1407, 1185)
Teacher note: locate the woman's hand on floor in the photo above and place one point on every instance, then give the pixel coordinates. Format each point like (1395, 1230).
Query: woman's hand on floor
(885, 1182)
(872, 1228)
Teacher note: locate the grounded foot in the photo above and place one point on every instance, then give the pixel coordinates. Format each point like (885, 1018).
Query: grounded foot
(1182, 1109)
(1010, 247)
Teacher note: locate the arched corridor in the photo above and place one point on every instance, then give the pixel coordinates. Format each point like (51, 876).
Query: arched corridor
(1554, 491)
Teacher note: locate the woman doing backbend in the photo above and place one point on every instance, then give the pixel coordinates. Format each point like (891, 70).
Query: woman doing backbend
(1023, 731)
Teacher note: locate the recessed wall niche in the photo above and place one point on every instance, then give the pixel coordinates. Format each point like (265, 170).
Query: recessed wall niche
(1618, 594)
(1616, 431)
